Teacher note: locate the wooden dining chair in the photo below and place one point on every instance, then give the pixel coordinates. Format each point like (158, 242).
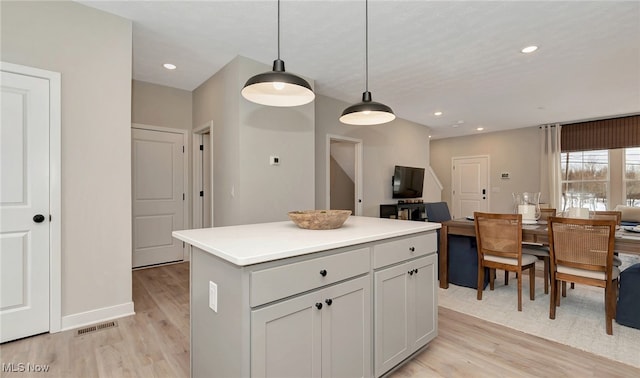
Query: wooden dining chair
(581, 251)
(499, 241)
(541, 251)
(601, 214)
(606, 214)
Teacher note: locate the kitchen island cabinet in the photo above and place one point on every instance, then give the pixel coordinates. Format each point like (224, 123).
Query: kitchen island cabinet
(271, 299)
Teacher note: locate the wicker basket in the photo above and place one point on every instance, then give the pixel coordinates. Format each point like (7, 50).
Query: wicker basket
(319, 219)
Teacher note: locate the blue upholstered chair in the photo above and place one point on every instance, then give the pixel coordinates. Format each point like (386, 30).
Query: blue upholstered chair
(463, 255)
(628, 307)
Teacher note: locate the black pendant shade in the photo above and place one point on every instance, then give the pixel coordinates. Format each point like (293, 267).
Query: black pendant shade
(367, 112)
(278, 88)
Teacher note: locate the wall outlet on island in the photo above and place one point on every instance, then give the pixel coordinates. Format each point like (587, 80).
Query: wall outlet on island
(213, 296)
(504, 175)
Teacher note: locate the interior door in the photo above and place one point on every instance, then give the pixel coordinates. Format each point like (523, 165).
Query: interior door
(344, 174)
(158, 196)
(470, 185)
(24, 206)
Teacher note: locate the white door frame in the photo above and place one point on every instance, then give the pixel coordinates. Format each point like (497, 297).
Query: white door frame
(358, 169)
(185, 170)
(55, 187)
(197, 172)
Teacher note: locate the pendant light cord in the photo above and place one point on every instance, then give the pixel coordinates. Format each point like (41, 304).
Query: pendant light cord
(366, 45)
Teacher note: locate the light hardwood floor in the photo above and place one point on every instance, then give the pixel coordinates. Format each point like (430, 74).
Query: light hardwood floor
(155, 343)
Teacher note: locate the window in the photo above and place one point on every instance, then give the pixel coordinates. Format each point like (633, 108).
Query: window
(632, 176)
(585, 179)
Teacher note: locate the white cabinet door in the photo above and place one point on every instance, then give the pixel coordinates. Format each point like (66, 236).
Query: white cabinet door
(326, 333)
(405, 311)
(424, 297)
(286, 338)
(346, 329)
(158, 196)
(391, 317)
(24, 193)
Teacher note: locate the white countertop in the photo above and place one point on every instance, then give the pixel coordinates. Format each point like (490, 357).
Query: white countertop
(256, 243)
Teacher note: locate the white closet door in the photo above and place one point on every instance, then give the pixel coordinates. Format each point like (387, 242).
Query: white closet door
(158, 196)
(24, 206)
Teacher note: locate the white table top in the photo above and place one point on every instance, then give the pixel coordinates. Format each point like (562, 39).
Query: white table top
(256, 243)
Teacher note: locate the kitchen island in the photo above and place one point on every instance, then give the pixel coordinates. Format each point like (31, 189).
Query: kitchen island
(272, 300)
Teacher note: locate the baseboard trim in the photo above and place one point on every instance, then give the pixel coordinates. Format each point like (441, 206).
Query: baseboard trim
(96, 316)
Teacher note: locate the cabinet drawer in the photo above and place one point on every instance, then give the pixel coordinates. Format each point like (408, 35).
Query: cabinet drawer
(403, 249)
(280, 282)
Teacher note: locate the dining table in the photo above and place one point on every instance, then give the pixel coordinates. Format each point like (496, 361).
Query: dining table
(538, 233)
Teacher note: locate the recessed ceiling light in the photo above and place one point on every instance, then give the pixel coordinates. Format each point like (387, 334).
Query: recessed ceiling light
(480, 128)
(169, 66)
(437, 113)
(529, 49)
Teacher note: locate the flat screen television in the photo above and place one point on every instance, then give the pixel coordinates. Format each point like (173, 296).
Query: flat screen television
(407, 182)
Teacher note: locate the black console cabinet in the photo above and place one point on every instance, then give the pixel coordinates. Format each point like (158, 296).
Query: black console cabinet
(408, 211)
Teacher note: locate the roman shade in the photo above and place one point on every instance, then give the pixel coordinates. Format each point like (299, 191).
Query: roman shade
(606, 134)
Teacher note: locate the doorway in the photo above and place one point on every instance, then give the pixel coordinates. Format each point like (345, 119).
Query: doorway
(470, 185)
(203, 176)
(159, 194)
(344, 174)
(30, 202)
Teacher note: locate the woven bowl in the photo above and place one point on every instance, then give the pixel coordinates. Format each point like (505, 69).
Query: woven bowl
(319, 219)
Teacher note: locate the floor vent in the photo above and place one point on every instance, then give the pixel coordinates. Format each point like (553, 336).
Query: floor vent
(97, 327)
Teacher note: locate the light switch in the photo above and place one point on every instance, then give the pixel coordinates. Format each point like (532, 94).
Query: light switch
(213, 296)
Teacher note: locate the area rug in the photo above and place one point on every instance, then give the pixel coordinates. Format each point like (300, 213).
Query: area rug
(579, 322)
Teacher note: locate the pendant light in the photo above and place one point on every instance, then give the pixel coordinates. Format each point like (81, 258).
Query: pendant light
(367, 112)
(277, 87)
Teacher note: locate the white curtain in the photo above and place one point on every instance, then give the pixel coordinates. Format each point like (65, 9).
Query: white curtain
(550, 175)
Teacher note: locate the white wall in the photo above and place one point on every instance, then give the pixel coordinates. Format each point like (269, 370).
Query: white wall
(92, 50)
(514, 151)
(246, 188)
(399, 142)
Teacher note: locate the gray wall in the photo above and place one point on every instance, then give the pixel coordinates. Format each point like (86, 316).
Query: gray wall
(515, 151)
(399, 142)
(158, 105)
(246, 188)
(92, 50)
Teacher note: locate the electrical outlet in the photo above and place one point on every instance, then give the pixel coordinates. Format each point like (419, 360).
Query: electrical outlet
(274, 160)
(213, 296)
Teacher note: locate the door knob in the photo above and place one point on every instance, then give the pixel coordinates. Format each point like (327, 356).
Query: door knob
(38, 218)
(329, 301)
(323, 273)
(319, 306)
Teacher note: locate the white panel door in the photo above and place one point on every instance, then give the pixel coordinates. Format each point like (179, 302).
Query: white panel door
(24, 193)
(158, 196)
(470, 185)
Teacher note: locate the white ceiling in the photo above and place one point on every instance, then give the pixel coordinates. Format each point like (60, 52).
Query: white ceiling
(459, 57)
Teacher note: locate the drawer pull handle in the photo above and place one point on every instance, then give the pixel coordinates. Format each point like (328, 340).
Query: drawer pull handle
(412, 249)
(323, 273)
(319, 306)
(328, 301)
